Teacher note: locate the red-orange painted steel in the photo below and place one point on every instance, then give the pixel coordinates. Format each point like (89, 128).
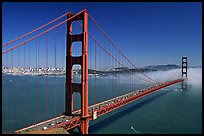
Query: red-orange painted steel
(121, 103)
(84, 79)
(44, 32)
(83, 61)
(76, 121)
(116, 59)
(119, 50)
(68, 84)
(108, 108)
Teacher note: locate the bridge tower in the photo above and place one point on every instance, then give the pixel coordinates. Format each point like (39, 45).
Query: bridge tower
(184, 72)
(82, 60)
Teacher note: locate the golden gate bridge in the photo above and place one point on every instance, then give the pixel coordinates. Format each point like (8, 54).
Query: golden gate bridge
(96, 56)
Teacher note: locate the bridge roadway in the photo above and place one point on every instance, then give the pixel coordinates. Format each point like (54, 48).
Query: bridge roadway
(97, 110)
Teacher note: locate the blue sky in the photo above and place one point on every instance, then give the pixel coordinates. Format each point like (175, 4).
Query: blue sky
(147, 33)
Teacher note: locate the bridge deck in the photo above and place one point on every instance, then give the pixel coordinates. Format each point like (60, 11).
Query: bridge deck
(69, 122)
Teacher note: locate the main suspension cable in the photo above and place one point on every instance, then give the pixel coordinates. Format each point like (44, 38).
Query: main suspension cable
(8, 50)
(35, 30)
(118, 49)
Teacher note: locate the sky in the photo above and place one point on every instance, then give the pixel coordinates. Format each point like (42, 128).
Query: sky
(147, 33)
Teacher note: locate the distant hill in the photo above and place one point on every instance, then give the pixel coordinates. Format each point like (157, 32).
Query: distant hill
(160, 67)
(143, 69)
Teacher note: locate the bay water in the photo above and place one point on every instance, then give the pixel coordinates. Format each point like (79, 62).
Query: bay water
(30, 99)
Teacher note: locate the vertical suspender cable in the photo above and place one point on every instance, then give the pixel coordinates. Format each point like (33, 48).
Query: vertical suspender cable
(47, 74)
(63, 92)
(95, 73)
(18, 56)
(129, 79)
(118, 66)
(36, 114)
(38, 78)
(55, 73)
(62, 62)
(77, 54)
(28, 91)
(116, 73)
(29, 54)
(12, 113)
(112, 75)
(24, 86)
(19, 72)
(6, 93)
(90, 67)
